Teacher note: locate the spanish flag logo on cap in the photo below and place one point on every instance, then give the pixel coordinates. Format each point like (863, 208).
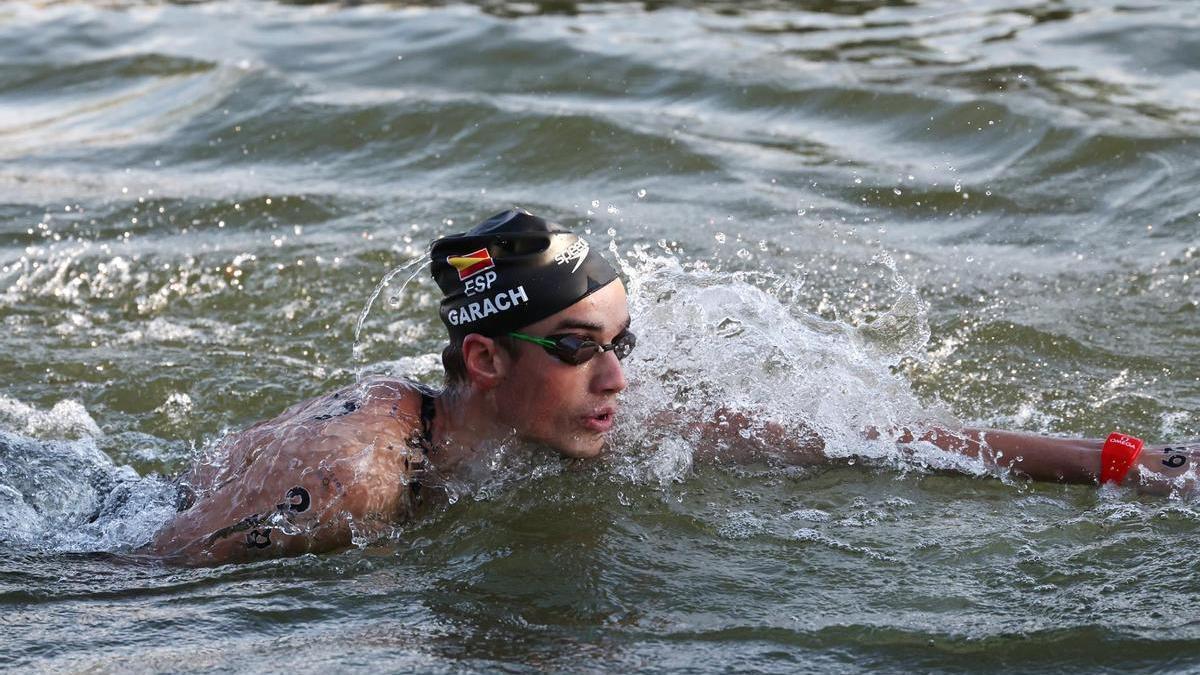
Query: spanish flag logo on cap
(470, 264)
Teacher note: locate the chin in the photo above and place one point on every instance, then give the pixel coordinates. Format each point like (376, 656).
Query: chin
(581, 448)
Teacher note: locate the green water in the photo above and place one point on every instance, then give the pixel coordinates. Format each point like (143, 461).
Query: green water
(833, 214)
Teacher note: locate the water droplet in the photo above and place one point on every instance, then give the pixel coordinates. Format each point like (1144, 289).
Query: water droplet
(897, 192)
(612, 231)
(595, 203)
(958, 186)
(641, 194)
(858, 181)
(720, 237)
(394, 301)
(801, 212)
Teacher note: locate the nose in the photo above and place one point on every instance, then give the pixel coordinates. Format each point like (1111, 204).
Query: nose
(608, 377)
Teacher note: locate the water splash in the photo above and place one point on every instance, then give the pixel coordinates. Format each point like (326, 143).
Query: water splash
(358, 348)
(496, 468)
(902, 331)
(738, 341)
(67, 419)
(67, 495)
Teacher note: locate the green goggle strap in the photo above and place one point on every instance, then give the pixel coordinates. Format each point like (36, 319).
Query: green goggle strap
(535, 340)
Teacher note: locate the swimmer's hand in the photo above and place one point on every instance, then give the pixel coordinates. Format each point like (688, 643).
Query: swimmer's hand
(1167, 470)
(1160, 469)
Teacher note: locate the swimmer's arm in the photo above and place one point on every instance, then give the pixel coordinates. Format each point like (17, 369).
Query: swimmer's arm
(293, 486)
(733, 436)
(269, 513)
(242, 522)
(1160, 469)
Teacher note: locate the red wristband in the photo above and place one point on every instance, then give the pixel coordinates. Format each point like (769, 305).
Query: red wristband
(1119, 453)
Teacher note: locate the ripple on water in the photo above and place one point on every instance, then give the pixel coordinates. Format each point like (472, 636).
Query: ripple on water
(279, 159)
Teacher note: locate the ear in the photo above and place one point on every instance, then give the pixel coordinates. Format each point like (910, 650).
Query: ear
(486, 362)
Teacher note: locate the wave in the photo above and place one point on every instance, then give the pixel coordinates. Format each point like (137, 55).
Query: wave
(69, 496)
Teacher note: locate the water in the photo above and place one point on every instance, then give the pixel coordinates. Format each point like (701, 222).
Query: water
(834, 214)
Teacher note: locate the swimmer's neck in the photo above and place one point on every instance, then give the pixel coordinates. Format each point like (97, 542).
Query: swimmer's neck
(465, 425)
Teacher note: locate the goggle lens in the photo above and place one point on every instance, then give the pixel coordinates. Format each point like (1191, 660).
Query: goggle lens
(576, 351)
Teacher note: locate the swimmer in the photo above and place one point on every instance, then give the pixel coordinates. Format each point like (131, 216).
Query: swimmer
(538, 326)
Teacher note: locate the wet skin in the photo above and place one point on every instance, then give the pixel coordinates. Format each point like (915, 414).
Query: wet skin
(337, 470)
(567, 407)
(307, 481)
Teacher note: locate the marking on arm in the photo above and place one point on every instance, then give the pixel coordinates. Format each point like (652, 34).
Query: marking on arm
(258, 527)
(347, 407)
(259, 538)
(297, 500)
(1176, 457)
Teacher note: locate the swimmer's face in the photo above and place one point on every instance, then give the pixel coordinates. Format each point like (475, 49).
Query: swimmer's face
(570, 408)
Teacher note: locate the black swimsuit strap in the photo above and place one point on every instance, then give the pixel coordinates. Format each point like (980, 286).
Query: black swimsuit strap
(428, 410)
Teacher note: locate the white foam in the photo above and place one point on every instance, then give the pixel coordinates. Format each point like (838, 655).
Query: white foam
(177, 409)
(716, 341)
(68, 495)
(161, 330)
(66, 419)
(422, 367)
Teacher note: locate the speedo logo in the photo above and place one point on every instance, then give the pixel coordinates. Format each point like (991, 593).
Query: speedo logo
(482, 309)
(577, 252)
(470, 264)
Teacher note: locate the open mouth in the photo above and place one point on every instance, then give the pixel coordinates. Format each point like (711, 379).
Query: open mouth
(601, 420)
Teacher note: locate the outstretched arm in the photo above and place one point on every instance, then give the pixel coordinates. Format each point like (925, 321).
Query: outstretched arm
(1159, 468)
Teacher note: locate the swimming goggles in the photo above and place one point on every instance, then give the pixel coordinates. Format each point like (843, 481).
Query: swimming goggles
(575, 350)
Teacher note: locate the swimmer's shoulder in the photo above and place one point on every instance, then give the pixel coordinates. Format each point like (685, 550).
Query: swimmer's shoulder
(377, 423)
(326, 468)
(369, 411)
(372, 397)
(386, 397)
(376, 412)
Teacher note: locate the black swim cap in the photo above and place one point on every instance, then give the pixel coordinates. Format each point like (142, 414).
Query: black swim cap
(511, 270)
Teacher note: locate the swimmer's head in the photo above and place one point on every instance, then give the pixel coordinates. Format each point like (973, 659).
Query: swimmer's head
(537, 330)
(511, 270)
